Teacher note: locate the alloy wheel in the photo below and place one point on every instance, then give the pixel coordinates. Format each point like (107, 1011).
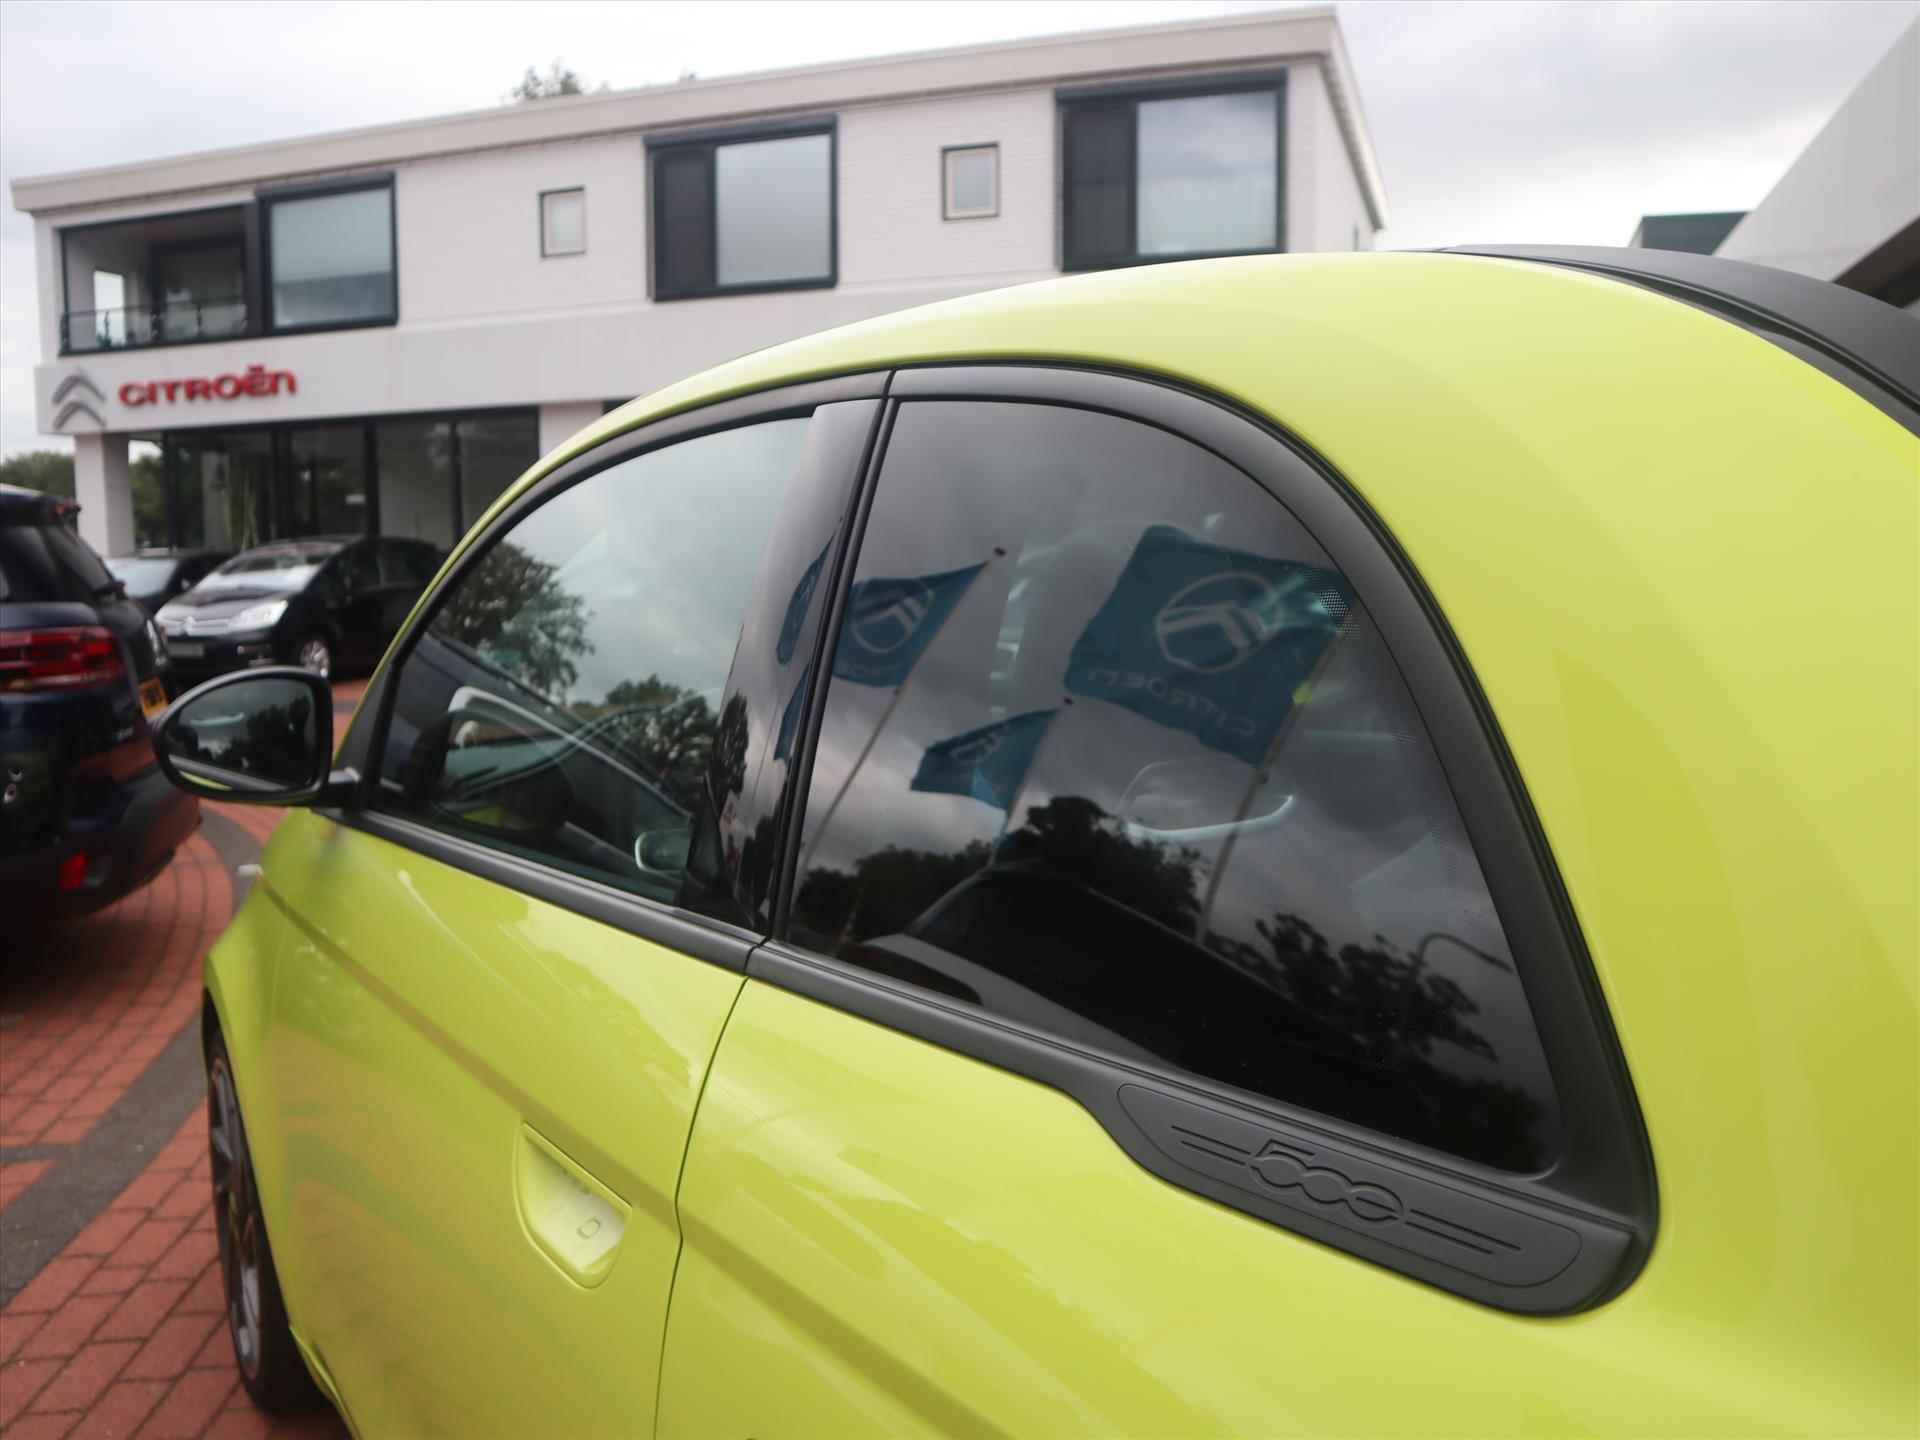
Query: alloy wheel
(236, 1216)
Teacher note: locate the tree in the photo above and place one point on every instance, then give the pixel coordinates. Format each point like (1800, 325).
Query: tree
(48, 471)
(557, 81)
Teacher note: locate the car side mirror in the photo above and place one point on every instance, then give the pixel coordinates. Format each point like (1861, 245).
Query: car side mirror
(259, 737)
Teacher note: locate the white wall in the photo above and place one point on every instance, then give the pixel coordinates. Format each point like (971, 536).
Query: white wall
(1325, 206)
(891, 228)
(1854, 186)
(469, 231)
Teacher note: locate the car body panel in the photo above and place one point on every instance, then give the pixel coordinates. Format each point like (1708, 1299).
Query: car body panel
(78, 761)
(390, 1107)
(883, 1238)
(1681, 563)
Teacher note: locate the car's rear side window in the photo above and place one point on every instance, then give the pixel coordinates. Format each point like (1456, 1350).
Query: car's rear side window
(564, 700)
(1112, 749)
(50, 563)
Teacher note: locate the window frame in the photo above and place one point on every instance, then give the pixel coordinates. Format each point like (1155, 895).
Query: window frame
(364, 744)
(950, 211)
(1599, 1190)
(707, 142)
(545, 196)
(279, 194)
(1069, 100)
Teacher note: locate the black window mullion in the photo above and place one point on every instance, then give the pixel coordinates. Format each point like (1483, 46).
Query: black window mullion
(713, 216)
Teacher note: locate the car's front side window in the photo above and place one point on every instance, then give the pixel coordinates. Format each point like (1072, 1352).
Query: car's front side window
(564, 700)
(1111, 747)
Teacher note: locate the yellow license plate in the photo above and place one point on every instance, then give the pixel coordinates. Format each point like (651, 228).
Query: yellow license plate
(153, 697)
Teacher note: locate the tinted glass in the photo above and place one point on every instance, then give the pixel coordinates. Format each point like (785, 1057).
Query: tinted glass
(415, 469)
(332, 258)
(1099, 182)
(564, 701)
(50, 562)
(1112, 748)
(495, 450)
(328, 490)
(683, 235)
(1209, 173)
(774, 205)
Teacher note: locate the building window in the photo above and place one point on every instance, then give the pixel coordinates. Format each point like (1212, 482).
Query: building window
(970, 182)
(742, 215)
(331, 258)
(1172, 176)
(563, 222)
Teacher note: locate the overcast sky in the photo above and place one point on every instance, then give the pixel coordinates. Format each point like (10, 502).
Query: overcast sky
(1492, 121)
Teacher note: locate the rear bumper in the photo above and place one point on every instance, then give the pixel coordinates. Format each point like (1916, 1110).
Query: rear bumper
(125, 846)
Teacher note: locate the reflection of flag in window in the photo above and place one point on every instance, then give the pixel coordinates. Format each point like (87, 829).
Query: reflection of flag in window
(790, 717)
(890, 622)
(797, 606)
(1209, 640)
(990, 763)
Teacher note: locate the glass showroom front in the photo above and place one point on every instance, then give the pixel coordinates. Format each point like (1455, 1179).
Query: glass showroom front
(427, 477)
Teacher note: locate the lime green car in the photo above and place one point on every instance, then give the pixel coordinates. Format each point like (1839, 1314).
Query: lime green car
(1314, 846)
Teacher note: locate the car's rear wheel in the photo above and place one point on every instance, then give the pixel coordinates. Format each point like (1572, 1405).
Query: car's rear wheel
(316, 654)
(263, 1345)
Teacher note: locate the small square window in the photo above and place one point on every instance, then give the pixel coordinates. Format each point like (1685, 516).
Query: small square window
(563, 222)
(971, 181)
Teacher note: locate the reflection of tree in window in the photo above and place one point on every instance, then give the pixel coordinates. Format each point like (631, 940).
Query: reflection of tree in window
(666, 731)
(1102, 928)
(512, 609)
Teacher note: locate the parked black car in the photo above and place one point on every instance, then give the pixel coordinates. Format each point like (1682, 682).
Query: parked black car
(330, 603)
(85, 814)
(154, 577)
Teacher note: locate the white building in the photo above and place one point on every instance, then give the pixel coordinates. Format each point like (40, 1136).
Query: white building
(1848, 210)
(376, 330)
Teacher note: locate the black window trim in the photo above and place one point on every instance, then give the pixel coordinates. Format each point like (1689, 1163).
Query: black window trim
(541, 216)
(269, 196)
(1069, 98)
(248, 222)
(710, 139)
(365, 742)
(1601, 1187)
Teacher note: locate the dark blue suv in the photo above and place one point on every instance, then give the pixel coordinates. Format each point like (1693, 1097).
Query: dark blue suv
(85, 815)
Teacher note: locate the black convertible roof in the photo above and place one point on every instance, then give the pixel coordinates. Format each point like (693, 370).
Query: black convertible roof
(1867, 345)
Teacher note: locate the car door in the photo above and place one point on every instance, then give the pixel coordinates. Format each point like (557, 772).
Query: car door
(1168, 1029)
(506, 971)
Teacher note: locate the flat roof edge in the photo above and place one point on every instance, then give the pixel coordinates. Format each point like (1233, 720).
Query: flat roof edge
(1301, 31)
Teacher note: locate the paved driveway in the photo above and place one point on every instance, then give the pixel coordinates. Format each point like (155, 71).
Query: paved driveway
(111, 1318)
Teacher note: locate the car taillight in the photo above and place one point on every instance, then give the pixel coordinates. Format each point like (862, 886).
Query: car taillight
(58, 658)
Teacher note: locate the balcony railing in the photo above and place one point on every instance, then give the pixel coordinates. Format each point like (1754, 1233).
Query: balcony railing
(171, 322)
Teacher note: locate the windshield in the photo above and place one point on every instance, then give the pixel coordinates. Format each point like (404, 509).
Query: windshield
(141, 574)
(276, 567)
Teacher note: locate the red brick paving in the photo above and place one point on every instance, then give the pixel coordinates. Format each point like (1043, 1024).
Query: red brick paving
(123, 1333)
